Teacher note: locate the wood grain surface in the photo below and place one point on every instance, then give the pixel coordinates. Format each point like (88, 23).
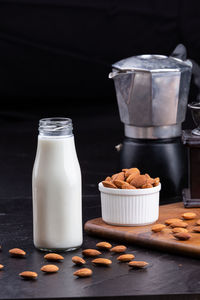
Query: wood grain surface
(143, 236)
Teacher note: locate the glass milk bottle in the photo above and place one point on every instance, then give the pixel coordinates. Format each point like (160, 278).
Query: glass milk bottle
(56, 188)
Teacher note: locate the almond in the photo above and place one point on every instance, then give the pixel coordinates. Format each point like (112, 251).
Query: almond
(119, 183)
(127, 186)
(84, 272)
(109, 184)
(198, 222)
(138, 264)
(49, 268)
(182, 236)
(1, 267)
(179, 224)
(138, 181)
(118, 176)
(91, 252)
(131, 177)
(158, 227)
(189, 216)
(179, 229)
(156, 181)
(149, 179)
(147, 186)
(125, 257)
(28, 275)
(16, 252)
(104, 245)
(118, 249)
(170, 221)
(196, 229)
(131, 171)
(102, 261)
(78, 260)
(53, 256)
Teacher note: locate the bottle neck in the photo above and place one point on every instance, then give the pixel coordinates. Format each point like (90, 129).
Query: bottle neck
(55, 127)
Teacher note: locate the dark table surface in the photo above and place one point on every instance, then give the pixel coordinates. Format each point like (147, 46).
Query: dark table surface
(96, 132)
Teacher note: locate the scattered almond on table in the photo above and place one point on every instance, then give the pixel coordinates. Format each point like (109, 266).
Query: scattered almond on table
(179, 224)
(189, 216)
(84, 272)
(182, 236)
(170, 221)
(104, 245)
(118, 249)
(28, 275)
(125, 257)
(53, 257)
(91, 252)
(130, 179)
(49, 268)
(137, 264)
(179, 229)
(16, 252)
(158, 227)
(77, 260)
(102, 261)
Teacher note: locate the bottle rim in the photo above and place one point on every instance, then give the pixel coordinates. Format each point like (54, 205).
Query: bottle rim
(55, 126)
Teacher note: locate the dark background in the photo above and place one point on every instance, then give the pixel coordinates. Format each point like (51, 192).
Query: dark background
(55, 57)
(60, 52)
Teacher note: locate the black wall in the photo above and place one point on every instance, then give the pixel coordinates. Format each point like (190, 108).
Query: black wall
(63, 50)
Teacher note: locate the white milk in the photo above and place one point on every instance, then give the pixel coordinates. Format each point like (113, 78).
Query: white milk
(57, 202)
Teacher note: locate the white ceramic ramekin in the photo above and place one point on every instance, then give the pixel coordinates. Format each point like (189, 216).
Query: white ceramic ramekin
(129, 207)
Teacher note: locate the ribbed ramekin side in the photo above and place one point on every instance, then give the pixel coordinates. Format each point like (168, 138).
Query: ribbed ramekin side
(130, 210)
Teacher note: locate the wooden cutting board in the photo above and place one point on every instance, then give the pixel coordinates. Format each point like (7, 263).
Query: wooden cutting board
(143, 236)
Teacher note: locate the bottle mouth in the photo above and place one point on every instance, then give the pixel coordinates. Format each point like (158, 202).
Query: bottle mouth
(56, 126)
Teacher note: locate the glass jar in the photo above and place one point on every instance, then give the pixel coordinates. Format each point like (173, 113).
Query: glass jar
(56, 188)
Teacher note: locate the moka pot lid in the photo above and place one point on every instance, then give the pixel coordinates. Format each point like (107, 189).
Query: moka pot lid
(152, 63)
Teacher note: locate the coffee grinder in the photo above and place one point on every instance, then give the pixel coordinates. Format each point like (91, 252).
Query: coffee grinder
(191, 139)
(152, 93)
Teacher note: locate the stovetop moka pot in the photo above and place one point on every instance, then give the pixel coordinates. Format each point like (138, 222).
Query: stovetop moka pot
(152, 93)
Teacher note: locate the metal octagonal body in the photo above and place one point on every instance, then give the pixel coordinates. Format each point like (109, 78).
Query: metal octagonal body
(153, 97)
